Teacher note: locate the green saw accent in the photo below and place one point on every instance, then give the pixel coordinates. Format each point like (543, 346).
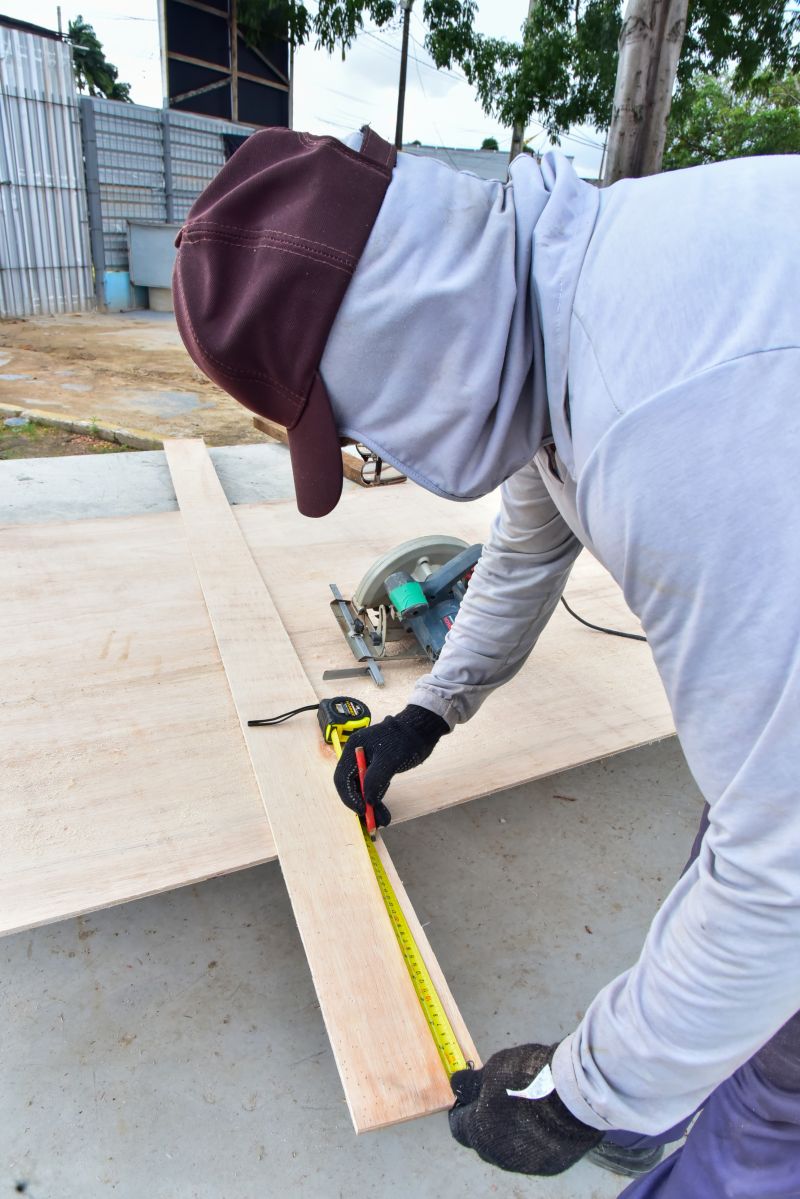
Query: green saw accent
(407, 596)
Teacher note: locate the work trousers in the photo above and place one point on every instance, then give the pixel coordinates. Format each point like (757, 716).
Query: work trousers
(745, 1143)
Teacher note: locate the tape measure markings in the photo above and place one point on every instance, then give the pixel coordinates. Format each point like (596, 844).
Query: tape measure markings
(338, 718)
(440, 1027)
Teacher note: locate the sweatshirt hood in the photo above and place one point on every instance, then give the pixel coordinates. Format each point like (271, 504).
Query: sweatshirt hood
(436, 359)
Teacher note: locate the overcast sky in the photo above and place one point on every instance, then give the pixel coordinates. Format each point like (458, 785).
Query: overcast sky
(331, 96)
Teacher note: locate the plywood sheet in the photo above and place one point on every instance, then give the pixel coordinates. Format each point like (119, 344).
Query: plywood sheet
(388, 1062)
(124, 769)
(581, 696)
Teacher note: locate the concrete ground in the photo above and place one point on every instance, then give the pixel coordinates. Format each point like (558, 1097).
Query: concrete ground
(121, 369)
(173, 1047)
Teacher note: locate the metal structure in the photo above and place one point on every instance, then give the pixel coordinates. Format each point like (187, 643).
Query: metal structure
(142, 165)
(486, 164)
(151, 254)
(209, 68)
(45, 263)
(74, 172)
(406, 5)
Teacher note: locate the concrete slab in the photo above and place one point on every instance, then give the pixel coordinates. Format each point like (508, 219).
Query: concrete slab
(85, 486)
(174, 1048)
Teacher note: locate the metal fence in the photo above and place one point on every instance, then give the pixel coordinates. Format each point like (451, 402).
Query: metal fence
(74, 172)
(196, 153)
(142, 164)
(45, 264)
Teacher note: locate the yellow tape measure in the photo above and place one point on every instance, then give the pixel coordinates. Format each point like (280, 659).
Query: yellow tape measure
(441, 1029)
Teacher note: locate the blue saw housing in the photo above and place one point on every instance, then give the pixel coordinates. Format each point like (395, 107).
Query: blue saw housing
(427, 609)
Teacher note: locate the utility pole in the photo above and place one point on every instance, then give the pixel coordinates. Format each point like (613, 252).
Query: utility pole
(518, 128)
(401, 93)
(649, 48)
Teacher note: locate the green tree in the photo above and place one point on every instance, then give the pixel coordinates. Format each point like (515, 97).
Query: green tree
(721, 120)
(489, 143)
(93, 72)
(332, 24)
(335, 24)
(564, 67)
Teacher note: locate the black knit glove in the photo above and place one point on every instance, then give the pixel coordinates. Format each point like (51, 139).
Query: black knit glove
(529, 1136)
(395, 744)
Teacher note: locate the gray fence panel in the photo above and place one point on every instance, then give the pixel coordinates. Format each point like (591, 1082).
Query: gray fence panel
(45, 263)
(152, 254)
(197, 153)
(130, 169)
(144, 165)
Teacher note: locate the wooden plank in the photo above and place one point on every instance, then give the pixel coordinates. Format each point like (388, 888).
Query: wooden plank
(124, 769)
(435, 971)
(387, 1060)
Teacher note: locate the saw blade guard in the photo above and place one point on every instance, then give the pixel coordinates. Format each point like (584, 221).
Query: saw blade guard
(419, 557)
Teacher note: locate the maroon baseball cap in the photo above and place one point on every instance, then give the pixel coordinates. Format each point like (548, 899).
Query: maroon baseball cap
(263, 262)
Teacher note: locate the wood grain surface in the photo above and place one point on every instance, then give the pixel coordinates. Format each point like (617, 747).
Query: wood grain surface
(388, 1062)
(125, 771)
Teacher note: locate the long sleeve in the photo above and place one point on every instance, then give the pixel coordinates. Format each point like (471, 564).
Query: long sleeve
(690, 502)
(516, 585)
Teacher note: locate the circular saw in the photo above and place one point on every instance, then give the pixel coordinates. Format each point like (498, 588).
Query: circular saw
(406, 603)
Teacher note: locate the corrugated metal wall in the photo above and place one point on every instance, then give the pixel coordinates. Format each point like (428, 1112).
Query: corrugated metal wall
(197, 152)
(143, 164)
(45, 263)
(130, 166)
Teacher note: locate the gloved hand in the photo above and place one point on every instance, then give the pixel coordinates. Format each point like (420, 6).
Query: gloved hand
(528, 1135)
(395, 744)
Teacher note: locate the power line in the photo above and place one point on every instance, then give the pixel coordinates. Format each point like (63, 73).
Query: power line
(420, 61)
(433, 120)
(326, 120)
(575, 137)
(108, 16)
(433, 67)
(579, 138)
(347, 96)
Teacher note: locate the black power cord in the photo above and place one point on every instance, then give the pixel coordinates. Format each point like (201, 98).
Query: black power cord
(252, 724)
(313, 707)
(599, 628)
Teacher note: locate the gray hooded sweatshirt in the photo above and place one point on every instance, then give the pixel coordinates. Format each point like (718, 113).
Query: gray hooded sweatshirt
(626, 365)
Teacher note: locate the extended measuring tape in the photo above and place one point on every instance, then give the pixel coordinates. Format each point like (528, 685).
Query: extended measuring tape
(441, 1029)
(338, 719)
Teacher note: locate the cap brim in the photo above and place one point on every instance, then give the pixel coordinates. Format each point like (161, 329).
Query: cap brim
(316, 455)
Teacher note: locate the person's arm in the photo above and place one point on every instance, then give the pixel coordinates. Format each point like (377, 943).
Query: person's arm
(690, 503)
(512, 594)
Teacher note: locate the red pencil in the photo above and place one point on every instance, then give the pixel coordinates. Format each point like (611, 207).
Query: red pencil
(369, 814)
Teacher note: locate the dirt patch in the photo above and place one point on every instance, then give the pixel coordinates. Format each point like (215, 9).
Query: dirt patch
(121, 370)
(40, 441)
